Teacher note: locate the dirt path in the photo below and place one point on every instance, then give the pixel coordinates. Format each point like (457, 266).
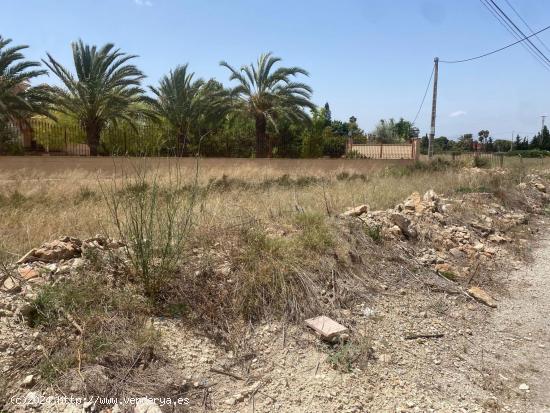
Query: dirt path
(518, 336)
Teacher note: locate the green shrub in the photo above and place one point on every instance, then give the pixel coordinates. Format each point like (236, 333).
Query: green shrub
(334, 146)
(353, 154)
(154, 223)
(373, 232)
(531, 153)
(10, 143)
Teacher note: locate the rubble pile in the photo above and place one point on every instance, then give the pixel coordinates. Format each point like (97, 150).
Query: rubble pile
(53, 260)
(437, 236)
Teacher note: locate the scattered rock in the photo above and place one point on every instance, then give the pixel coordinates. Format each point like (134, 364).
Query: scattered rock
(61, 249)
(413, 202)
(11, 285)
(482, 296)
(28, 273)
(355, 212)
(404, 225)
(28, 381)
(456, 252)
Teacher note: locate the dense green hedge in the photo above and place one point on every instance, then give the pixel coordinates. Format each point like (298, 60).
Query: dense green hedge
(530, 153)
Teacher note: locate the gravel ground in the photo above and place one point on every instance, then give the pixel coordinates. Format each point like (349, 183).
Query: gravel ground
(484, 363)
(518, 336)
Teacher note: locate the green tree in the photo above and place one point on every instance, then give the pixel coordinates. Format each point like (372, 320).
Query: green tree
(517, 143)
(340, 128)
(188, 105)
(328, 115)
(313, 137)
(385, 131)
(403, 129)
(104, 91)
(18, 100)
(466, 142)
(269, 94)
(543, 139)
(483, 137)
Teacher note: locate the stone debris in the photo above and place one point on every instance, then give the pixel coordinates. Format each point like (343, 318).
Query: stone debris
(66, 248)
(428, 226)
(52, 260)
(28, 273)
(326, 327)
(62, 249)
(404, 225)
(11, 285)
(482, 296)
(523, 387)
(355, 212)
(28, 381)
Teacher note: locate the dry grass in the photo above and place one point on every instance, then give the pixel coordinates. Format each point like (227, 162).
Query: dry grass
(42, 203)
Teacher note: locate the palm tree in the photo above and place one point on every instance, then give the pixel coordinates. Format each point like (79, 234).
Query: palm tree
(188, 104)
(268, 95)
(18, 100)
(104, 91)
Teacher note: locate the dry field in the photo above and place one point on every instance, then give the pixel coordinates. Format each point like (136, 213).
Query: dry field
(223, 259)
(42, 198)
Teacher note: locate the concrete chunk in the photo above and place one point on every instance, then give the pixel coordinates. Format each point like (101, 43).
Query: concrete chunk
(326, 327)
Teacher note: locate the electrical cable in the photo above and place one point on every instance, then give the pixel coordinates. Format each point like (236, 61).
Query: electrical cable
(425, 93)
(494, 11)
(502, 13)
(495, 51)
(526, 24)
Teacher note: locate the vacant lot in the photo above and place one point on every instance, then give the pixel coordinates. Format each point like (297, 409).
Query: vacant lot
(221, 260)
(45, 197)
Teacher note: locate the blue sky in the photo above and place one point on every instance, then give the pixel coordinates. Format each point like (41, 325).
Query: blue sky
(368, 58)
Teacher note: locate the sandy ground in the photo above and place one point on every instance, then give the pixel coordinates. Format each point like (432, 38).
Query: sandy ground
(518, 335)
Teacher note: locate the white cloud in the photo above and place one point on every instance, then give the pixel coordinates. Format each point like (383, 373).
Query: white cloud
(147, 3)
(457, 113)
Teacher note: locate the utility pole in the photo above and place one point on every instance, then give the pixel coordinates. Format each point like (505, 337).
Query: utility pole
(434, 106)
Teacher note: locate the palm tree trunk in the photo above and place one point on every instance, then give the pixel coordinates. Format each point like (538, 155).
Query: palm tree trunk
(261, 136)
(93, 134)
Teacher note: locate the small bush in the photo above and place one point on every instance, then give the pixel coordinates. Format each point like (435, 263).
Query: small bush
(154, 223)
(315, 234)
(85, 194)
(353, 154)
(373, 232)
(346, 176)
(354, 353)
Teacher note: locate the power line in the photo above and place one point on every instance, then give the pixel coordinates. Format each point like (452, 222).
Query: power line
(519, 30)
(425, 94)
(495, 51)
(527, 25)
(494, 11)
